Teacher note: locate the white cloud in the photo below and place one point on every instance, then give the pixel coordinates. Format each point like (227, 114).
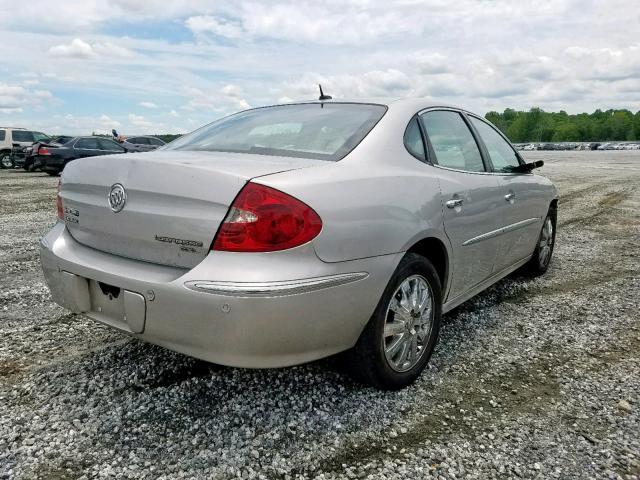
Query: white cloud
(148, 105)
(139, 124)
(78, 48)
(432, 63)
(113, 50)
(482, 55)
(225, 98)
(206, 24)
(139, 121)
(375, 83)
(15, 98)
(107, 123)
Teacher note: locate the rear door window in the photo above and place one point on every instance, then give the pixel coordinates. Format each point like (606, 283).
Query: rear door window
(413, 140)
(62, 140)
(22, 136)
(452, 141)
(503, 156)
(87, 144)
(3, 134)
(156, 141)
(109, 145)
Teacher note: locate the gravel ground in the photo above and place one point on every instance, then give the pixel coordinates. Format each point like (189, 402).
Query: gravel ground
(531, 379)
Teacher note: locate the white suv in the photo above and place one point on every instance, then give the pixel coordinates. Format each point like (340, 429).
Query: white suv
(10, 136)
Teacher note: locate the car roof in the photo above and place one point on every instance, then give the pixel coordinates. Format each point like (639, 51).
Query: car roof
(87, 136)
(404, 103)
(15, 128)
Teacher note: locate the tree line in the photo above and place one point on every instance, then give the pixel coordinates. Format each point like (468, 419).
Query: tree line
(537, 125)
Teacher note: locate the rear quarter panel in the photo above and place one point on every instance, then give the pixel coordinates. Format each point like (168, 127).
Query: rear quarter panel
(378, 200)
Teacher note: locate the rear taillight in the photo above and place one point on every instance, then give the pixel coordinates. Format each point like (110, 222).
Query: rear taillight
(43, 151)
(263, 219)
(59, 203)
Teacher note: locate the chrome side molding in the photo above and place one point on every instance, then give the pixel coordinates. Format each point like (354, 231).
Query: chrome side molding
(500, 231)
(273, 289)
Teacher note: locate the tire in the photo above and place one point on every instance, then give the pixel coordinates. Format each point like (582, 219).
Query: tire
(372, 360)
(53, 173)
(541, 258)
(5, 160)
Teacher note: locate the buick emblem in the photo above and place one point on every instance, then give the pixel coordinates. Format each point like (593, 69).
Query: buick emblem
(117, 197)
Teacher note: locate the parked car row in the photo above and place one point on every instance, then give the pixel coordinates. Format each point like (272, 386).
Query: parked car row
(11, 138)
(32, 150)
(619, 146)
(578, 146)
(52, 158)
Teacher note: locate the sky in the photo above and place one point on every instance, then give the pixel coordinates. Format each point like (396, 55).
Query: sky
(143, 66)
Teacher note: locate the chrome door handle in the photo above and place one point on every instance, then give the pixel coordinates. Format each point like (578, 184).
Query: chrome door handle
(456, 202)
(510, 196)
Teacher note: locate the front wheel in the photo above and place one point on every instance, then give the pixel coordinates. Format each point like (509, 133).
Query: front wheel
(398, 341)
(5, 160)
(541, 258)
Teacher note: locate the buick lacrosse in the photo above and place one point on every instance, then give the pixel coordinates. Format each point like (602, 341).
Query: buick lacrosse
(284, 234)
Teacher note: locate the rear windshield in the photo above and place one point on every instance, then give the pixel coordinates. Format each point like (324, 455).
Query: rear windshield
(319, 131)
(62, 140)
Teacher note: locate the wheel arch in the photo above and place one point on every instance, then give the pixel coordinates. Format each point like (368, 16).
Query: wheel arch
(434, 250)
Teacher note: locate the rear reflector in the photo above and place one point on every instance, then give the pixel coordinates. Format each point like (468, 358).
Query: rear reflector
(263, 219)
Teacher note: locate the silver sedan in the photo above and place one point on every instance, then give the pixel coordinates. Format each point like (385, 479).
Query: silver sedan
(284, 234)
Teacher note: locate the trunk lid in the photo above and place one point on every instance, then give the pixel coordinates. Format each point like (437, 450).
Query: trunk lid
(175, 200)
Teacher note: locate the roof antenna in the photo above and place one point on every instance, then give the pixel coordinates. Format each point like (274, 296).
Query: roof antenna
(322, 95)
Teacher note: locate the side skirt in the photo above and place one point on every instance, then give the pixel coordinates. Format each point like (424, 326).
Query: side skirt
(454, 302)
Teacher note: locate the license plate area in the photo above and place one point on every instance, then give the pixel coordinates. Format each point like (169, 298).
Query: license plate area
(117, 307)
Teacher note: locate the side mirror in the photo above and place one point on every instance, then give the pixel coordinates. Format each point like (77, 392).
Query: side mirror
(527, 167)
(533, 165)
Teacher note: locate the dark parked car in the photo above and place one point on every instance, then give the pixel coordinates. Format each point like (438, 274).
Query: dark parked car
(28, 157)
(53, 159)
(142, 143)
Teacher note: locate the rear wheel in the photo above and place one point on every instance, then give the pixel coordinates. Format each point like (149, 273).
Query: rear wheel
(398, 341)
(5, 160)
(541, 258)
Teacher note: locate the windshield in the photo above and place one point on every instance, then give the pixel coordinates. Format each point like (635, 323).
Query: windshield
(319, 131)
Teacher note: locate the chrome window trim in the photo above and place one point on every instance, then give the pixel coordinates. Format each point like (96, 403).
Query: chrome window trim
(273, 289)
(465, 112)
(429, 147)
(504, 137)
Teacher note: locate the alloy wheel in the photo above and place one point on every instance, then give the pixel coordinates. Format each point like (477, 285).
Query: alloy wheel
(408, 323)
(546, 243)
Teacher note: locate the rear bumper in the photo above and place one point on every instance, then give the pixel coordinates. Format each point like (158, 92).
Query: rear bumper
(244, 310)
(50, 163)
